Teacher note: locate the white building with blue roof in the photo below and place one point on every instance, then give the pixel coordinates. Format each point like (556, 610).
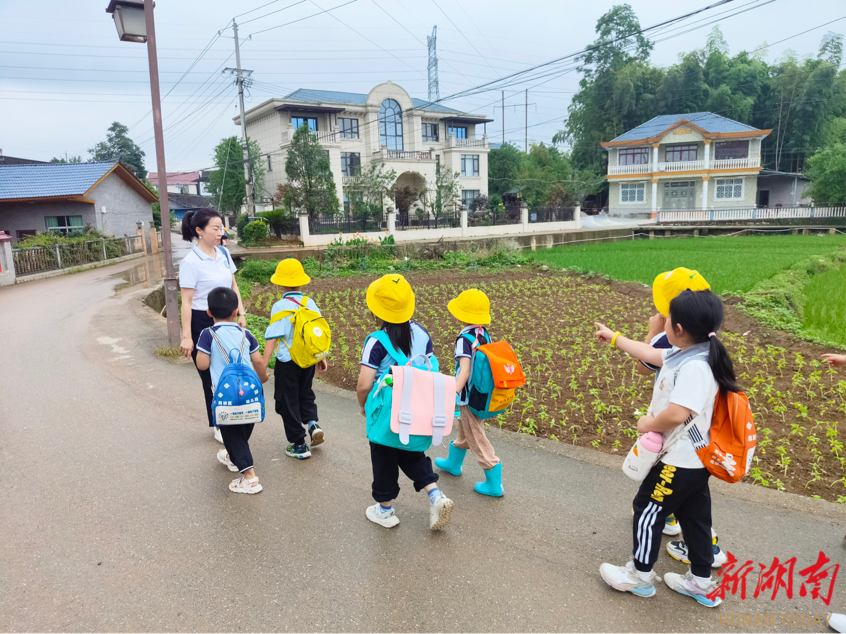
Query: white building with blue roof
(693, 161)
(68, 197)
(385, 126)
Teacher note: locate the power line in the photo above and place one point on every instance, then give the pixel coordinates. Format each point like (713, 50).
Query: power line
(307, 17)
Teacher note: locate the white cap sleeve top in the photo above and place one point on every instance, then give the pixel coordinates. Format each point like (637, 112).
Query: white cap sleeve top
(203, 273)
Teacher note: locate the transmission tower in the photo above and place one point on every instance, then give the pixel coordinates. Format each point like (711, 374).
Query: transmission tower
(432, 41)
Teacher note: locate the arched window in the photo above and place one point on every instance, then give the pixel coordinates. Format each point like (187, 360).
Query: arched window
(390, 125)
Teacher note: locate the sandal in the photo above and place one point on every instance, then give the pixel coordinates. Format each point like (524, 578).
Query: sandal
(223, 457)
(242, 485)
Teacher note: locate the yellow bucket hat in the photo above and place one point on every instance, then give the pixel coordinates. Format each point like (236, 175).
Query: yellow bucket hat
(472, 307)
(290, 273)
(668, 285)
(391, 299)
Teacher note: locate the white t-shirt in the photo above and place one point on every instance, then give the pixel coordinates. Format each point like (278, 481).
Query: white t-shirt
(203, 273)
(694, 388)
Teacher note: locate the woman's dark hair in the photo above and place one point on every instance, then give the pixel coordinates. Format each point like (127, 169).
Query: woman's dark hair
(197, 219)
(701, 313)
(400, 336)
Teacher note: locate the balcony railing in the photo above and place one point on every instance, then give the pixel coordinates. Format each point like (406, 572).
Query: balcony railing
(483, 143)
(736, 163)
(327, 137)
(348, 180)
(681, 166)
(643, 168)
(408, 156)
(684, 166)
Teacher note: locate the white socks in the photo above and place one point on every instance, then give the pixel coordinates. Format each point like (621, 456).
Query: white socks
(702, 582)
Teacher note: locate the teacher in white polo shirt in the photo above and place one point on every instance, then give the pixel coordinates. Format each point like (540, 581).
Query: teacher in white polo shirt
(208, 266)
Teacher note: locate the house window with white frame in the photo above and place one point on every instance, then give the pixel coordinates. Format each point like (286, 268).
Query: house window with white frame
(632, 193)
(350, 163)
(349, 128)
(728, 189)
(431, 131)
(458, 132)
(469, 164)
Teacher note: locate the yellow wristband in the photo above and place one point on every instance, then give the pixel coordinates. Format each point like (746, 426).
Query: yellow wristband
(614, 338)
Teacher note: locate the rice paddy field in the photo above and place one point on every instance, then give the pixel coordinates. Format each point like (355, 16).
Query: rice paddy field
(731, 265)
(586, 393)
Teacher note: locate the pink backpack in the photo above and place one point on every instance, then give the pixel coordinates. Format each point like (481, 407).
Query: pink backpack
(424, 402)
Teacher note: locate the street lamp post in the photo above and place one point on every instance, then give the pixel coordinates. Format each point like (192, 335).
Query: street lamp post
(135, 22)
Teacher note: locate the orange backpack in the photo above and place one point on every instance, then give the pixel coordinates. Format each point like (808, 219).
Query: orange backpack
(733, 438)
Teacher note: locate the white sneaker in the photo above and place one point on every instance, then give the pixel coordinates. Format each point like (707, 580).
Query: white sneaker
(837, 622)
(223, 457)
(440, 513)
(376, 515)
(671, 526)
(627, 579)
(678, 551)
(217, 435)
(687, 585)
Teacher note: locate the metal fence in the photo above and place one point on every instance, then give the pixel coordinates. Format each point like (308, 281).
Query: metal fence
(347, 224)
(490, 217)
(413, 221)
(33, 260)
(553, 214)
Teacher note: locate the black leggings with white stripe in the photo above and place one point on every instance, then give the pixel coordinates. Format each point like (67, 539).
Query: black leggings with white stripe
(669, 490)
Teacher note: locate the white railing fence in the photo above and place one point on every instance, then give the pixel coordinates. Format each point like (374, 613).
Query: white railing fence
(751, 213)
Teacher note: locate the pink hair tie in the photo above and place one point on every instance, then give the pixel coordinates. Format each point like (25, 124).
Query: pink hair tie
(712, 334)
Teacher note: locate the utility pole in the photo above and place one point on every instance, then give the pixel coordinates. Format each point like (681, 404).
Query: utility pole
(503, 117)
(527, 120)
(248, 166)
(171, 304)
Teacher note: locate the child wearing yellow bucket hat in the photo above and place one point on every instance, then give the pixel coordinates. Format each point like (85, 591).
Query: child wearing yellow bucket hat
(473, 309)
(391, 300)
(665, 288)
(293, 393)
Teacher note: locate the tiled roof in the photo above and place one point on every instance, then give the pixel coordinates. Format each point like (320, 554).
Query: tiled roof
(175, 178)
(708, 121)
(50, 179)
(358, 99)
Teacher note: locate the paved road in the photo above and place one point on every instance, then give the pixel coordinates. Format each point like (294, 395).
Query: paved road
(116, 516)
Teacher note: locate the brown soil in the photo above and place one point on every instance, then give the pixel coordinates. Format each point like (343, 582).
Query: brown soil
(586, 393)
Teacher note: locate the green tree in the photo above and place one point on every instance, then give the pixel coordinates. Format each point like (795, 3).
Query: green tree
(370, 191)
(226, 183)
(279, 220)
(827, 171)
(504, 166)
(119, 147)
(442, 195)
(70, 159)
(311, 186)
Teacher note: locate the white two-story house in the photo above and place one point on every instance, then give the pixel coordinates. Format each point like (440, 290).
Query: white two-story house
(387, 126)
(683, 162)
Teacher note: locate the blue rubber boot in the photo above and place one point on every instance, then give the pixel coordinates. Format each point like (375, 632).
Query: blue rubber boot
(493, 483)
(453, 463)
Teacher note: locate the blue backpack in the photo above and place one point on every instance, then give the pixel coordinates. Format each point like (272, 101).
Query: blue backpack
(377, 407)
(238, 395)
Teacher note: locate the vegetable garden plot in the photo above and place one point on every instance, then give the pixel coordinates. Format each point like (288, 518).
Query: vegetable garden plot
(586, 393)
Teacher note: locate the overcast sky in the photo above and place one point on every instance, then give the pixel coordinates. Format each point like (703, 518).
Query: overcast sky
(64, 76)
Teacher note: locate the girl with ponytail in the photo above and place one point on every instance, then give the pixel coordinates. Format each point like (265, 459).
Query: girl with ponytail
(691, 374)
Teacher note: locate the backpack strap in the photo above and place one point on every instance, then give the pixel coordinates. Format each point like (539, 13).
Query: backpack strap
(405, 417)
(226, 255)
(225, 354)
(439, 421)
(382, 337)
